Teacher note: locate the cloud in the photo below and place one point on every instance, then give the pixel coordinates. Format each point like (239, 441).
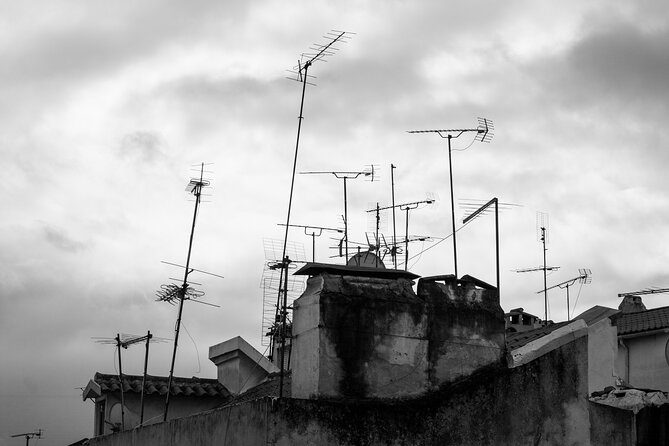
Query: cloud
(142, 145)
(60, 239)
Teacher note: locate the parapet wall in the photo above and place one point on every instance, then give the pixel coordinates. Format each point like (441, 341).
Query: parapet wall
(540, 403)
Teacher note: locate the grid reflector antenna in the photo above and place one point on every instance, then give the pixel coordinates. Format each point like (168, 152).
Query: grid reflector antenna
(272, 282)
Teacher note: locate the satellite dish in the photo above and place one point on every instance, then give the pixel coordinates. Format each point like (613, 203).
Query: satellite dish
(366, 259)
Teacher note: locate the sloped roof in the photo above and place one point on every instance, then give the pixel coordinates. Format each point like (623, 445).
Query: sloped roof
(158, 385)
(517, 340)
(629, 323)
(596, 314)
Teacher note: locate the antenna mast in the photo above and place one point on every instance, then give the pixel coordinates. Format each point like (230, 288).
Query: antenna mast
(393, 251)
(126, 341)
(345, 175)
(484, 133)
(313, 232)
(320, 51)
(170, 293)
(29, 435)
(584, 277)
(473, 215)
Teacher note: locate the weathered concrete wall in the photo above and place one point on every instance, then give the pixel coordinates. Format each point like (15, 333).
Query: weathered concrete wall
(466, 327)
(359, 337)
(612, 426)
(539, 403)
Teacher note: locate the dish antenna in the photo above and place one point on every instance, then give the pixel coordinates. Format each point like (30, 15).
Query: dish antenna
(36, 434)
(301, 73)
(584, 277)
(173, 293)
(484, 133)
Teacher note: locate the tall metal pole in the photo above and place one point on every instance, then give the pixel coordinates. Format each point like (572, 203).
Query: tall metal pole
(497, 246)
(377, 241)
(345, 219)
(120, 380)
(406, 242)
(392, 185)
(455, 246)
(197, 191)
(284, 314)
(146, 363)
(285, 240)
(543, 240)
(477, 212)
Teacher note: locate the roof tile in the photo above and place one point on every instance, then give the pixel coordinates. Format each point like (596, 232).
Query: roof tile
(629, 323)
(158, 384)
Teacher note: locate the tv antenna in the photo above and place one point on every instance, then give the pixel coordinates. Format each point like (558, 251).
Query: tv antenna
(653, 290)
(403, 207)
(313, 232)
(477, 208)
(408, 207)
(273, 283)
(484, 133)
(125, 341)
(584, 277)
(301, 72)
(346, 175)
(37, 433)
(173, 293)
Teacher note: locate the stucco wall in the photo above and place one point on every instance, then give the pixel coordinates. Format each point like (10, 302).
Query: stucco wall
(154, 407)
(539, 403)
(647, 364)
(602, 348)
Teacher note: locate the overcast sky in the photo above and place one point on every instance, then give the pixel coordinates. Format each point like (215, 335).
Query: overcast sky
(105, 106)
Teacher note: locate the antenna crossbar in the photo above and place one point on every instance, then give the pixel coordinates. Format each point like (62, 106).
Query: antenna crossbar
(646, 291)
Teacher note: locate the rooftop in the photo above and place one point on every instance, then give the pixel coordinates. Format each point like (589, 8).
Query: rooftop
(642, 321)
(517, 340)
(312, 269)
(155, 385)
(596, 314)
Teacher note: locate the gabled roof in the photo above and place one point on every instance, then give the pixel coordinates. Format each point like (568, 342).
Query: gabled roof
(516, 340)
(158, 385)
(642, 321)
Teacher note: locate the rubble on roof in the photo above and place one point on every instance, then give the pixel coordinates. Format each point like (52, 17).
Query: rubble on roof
(631, 399)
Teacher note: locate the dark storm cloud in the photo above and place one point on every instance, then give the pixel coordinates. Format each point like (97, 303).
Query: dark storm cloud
(60, 239)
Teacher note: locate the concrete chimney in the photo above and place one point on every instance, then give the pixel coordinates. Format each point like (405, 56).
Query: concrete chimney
(239, 365)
